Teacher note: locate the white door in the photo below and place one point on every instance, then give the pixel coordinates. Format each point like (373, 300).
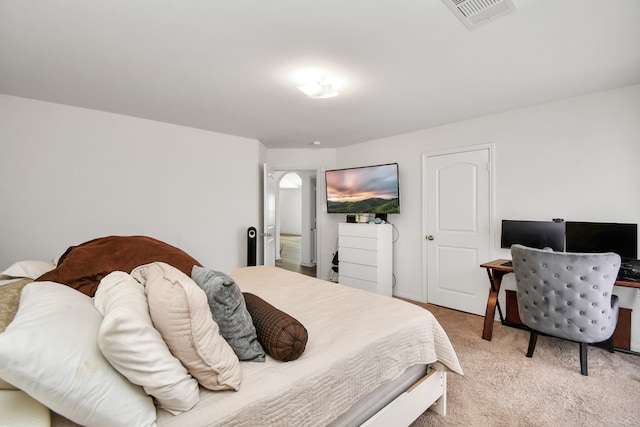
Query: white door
(457, 196)
(269, 226)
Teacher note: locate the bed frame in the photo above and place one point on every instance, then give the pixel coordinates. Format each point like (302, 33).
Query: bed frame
(430, 392)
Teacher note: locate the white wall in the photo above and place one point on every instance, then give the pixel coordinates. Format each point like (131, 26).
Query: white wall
(577, 159)
(68, 175)
(291, 211)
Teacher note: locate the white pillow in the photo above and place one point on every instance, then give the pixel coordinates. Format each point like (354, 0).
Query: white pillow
(28, 269)
(180, 311)
(136, 349)
(50, 351)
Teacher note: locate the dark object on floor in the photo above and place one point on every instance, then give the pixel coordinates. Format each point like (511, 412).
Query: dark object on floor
(334, 266)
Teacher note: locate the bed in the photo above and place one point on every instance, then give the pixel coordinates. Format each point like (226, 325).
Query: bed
(367, 359)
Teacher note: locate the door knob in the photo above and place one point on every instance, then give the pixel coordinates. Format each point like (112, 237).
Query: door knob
(430, 237)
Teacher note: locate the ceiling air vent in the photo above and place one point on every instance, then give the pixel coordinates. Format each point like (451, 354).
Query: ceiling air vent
(473, 13)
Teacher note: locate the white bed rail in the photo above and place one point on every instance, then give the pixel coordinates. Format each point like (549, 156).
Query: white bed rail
(430, 392)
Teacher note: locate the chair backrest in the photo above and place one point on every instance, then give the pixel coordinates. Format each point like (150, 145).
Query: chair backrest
(567, 295)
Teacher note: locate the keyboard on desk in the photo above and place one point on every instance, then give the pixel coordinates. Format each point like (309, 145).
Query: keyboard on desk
(629, 270)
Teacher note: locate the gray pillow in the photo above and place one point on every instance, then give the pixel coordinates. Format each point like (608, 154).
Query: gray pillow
(230, 313)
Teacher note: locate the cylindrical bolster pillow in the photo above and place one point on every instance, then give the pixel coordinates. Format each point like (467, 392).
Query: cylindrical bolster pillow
(281, 336)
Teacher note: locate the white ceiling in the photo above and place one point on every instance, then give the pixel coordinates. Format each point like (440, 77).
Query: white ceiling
(224, 65)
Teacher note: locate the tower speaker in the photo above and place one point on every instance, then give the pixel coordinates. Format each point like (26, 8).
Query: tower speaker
(251, 246)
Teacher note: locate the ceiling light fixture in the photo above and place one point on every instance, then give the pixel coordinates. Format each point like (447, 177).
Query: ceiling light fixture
(320, 88)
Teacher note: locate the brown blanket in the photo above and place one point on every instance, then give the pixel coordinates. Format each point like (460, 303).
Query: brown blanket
(82, 267)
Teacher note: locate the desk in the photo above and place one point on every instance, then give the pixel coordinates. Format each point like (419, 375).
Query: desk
(496, 271)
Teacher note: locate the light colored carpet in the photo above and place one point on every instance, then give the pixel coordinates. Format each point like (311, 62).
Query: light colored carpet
(502, 387)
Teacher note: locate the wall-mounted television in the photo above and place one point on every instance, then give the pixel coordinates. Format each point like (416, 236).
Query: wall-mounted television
(594, 237)
(363, 190)
(534, 234)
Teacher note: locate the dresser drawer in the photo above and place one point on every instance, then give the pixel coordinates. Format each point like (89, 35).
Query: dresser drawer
(364, 272)
(358, 242)
(358, 256)
(359, 230)
(359, 284)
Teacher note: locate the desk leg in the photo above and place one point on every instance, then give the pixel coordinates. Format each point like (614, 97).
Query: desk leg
(495, 278)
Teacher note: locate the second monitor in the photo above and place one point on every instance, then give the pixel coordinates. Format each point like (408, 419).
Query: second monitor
(534, 234)
(603, 237)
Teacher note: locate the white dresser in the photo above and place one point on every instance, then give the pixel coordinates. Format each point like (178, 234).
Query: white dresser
(365, 257)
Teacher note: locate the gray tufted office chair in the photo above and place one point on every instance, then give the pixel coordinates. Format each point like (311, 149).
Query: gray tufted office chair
(567, 295)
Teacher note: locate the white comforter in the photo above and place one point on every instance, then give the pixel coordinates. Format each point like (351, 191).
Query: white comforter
(357, 341)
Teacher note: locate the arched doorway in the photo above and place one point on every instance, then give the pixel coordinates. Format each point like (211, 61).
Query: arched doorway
(295, 222)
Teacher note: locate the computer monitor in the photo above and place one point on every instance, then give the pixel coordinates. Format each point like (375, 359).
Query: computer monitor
(534, 234)
(593, 237)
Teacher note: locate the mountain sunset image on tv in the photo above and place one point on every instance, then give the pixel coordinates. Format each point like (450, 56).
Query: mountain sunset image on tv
(368, 189)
